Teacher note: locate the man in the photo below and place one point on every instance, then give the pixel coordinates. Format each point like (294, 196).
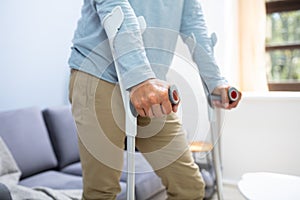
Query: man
(144, 57)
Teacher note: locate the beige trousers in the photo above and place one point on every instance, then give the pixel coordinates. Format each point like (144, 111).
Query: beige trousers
(99, 115)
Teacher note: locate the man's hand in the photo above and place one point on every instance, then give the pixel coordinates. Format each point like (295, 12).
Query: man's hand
(151, 98)
(224, 103)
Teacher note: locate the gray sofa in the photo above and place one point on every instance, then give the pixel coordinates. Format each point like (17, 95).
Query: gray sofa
(44, 146)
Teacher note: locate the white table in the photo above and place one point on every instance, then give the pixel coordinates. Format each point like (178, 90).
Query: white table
(269, 186)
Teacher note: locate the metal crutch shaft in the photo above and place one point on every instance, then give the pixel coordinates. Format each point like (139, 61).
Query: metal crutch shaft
(216, 151)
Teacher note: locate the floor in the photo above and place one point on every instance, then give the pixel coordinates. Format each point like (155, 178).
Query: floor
(230, 192)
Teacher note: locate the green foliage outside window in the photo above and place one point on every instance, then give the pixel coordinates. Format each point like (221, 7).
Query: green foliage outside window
(283, 29)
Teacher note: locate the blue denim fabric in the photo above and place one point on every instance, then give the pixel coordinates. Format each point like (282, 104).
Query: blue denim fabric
(143, 54)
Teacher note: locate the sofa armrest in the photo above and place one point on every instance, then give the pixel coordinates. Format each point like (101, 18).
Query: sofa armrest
(4, 192)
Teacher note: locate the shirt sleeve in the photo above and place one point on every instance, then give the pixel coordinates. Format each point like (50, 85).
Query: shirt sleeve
(194, 33)
(129, 49)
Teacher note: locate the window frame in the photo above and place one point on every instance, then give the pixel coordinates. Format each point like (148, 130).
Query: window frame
(283, 6)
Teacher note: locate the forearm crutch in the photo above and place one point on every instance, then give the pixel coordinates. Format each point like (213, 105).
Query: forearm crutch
(233, 95)
(111, 24)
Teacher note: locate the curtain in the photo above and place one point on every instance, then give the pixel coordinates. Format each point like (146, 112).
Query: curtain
(252, 27)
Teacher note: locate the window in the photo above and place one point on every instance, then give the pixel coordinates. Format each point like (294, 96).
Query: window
(283, 44)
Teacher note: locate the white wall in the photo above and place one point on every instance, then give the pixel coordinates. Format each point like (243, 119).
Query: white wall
(221, 17)
(214, 14)
(35, 40)
(263, 134)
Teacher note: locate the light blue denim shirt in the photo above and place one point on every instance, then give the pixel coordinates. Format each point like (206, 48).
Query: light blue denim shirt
(143, 54)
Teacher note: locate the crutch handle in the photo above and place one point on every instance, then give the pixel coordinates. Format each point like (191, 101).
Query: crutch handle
(173, 97)
(233, 95)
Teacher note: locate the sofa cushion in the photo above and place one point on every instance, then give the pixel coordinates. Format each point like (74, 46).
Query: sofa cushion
(63, 134)
(61, 181)
(25, 134)
(122, 194)
(148, 185)
(9, 171)
(54, 180)
(74, 169)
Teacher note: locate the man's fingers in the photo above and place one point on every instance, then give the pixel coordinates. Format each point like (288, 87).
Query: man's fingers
(141, 112)
(166, 107)
(157, 110)
(218, 104)
(175, 108)
(150, 113)
(224, 97)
